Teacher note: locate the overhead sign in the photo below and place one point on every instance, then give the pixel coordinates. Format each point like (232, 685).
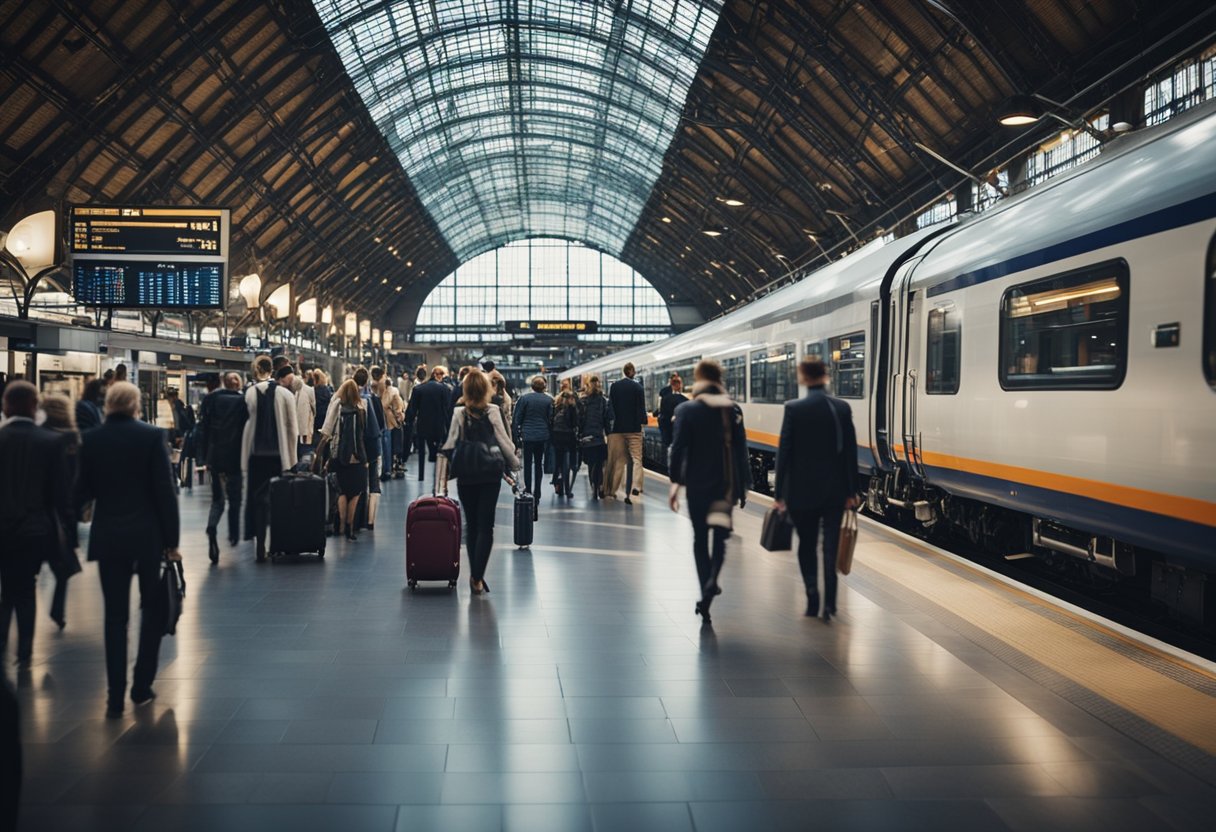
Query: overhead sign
(150, 257)
(550, 327)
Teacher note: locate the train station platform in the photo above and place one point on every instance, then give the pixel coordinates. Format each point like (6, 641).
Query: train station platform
(582, 693)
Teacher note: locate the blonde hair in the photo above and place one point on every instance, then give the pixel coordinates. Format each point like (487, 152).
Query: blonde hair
(348, 394)
(122, 397)
(319, 377)
(60, 413)
(438, 371)
(593, 385)
(476, 390)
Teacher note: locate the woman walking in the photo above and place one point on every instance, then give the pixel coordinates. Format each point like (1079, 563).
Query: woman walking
(268, 444)
(346, 430)
(61, 418)
(595, 420)
(478, 421)
(564, 433)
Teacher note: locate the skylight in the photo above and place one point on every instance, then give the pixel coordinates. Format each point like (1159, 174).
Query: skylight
(523, 118)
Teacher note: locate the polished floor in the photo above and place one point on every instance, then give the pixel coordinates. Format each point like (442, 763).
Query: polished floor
(583, 694)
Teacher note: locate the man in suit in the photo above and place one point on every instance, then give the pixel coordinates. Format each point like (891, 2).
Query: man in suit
(124, 469)
(628, 402)
(817, 478)
(35, 503)
(430, 412)
(670, 397)
(221, 423)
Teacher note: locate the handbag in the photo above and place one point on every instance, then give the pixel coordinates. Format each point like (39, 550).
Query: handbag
(848, 541)
(476, 458)
(172, 593)
(777, 534)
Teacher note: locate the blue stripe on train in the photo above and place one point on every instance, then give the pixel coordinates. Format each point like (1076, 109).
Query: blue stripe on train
(1187, 542)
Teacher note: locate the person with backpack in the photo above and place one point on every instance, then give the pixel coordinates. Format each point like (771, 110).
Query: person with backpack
(346, 430)
(595, 422)
(709, 458)
(477, 453)
(533, 414)
(268, 444)
(323, 392)
(564, 436)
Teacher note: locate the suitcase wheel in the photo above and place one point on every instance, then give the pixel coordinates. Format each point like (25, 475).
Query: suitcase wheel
(451, 584)
(412, 584)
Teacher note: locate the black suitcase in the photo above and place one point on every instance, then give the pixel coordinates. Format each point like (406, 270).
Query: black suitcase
(299, 506)
(525, 511)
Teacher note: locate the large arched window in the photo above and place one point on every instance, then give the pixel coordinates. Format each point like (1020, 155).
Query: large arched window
(543, 279)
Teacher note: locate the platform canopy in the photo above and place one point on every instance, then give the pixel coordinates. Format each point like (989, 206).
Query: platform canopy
(518, 119)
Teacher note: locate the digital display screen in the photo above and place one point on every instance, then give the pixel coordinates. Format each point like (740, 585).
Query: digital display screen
(551, 327)
(130, 230)
(165, 284)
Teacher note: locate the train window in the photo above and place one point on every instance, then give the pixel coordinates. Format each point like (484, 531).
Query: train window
(848, 365)
(734, 374)
(773, 375)
(944, 354)
(1209, 317)
(1067, 331)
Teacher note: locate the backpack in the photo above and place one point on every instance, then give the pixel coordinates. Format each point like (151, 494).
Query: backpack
(477, 457)
(350, 445)
(564, 421)
(266, 429)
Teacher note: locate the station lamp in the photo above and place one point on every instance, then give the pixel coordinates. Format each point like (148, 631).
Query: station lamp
(365, 331)
(350, 325)
(1019, 110)
(388, 340)
(306, 311)
(327, 315)
(251, 289)
(32, 241)
(376, 336)
(280, 301)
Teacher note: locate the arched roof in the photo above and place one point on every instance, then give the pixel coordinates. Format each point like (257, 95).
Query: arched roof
(493, 120)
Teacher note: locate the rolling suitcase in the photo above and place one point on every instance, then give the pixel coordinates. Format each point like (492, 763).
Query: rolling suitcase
(525, 512)
(432, 540)
(299, 506)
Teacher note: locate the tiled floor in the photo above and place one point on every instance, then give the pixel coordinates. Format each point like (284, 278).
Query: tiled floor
(581, 694)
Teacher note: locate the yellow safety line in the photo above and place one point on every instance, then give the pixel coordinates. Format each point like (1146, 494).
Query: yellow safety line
(1170, 705)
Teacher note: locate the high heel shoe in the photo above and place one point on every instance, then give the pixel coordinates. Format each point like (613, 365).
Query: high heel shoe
(702, 609)
(473, 586)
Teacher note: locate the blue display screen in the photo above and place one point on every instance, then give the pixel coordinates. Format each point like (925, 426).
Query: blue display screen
(165, 284)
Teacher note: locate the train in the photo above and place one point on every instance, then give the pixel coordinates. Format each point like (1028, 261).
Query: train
(1039, 378)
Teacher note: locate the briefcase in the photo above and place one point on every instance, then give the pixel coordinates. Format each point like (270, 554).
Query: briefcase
(777, 534)
(848, 541)
(173, 593)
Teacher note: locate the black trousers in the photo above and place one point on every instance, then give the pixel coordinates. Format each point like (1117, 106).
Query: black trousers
(534, 465)
(262, 469)
(116, 587)
(225, 486)
(807, 523)
(431, 448)
(709, 559)
(18, 575)
(479, 501)
(564, 465)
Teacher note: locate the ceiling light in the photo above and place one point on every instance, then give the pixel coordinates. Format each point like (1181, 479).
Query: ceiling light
(409, 264)
(714, 231)
(732, 297)
(377, 239)
(731, 201)
(398, 288)
(356, 279)
(383, 280)
(1019, 110)
(666, 220)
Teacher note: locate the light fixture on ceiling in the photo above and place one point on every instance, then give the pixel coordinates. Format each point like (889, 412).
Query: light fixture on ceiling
(714, 230)
(383, 280)
(665, 219)
(1019, 110)
(409, 264)
(377, 239)
(250, 288)
(730, 201)
(398, 288)
(355, 279)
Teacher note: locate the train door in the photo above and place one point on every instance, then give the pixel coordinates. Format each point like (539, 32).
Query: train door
(913, 383)
(904, 343)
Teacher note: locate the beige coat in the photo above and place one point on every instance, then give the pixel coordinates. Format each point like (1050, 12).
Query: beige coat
(286, 422)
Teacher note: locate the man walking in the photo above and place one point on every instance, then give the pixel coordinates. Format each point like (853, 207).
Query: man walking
(628, 403)
(817, 479)
(221, 422)
(430, 413)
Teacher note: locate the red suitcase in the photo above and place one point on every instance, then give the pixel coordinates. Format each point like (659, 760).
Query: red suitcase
(432, 541)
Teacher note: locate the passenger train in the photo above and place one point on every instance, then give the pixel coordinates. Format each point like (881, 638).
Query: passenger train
(1040, 377)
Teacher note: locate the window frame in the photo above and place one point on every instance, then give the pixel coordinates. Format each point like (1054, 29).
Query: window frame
(1122, 273)
(949, 311)
(766, 355)
(740, 395)
(834, 363)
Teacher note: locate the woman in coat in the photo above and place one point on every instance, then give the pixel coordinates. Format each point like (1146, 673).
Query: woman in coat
(595, 421)
(61, 418)
(478, 420)
(345, 429)
(564, 433)
(533, 414)
(268, 445)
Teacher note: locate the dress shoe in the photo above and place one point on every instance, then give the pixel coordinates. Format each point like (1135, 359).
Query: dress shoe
(702, 609)
(143, 697)
(114, 711)
(637, 493)
(628, 501)
(213, 547)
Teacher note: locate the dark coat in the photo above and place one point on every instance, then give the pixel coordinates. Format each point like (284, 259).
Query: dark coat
(35, 492)
(668, 402)
(533, 414)
(88, 415)
(594, 417)
(698, 458)
(221, 424)
(430, 410)
(324, 393)
(628, 402)
(817, 454)
(124, 468)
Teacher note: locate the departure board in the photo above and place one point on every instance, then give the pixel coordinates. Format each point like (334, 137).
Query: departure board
(121, 230)
(148, 284)
(147, 257)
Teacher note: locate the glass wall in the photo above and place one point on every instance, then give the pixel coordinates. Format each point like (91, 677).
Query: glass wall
(543, 279)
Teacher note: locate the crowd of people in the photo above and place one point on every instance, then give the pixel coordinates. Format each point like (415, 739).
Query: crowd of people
(96, 461)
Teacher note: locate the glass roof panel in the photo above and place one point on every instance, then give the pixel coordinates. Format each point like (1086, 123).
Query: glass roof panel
(523, 118)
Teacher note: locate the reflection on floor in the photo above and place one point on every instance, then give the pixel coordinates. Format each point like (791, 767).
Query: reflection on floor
(582, 693)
